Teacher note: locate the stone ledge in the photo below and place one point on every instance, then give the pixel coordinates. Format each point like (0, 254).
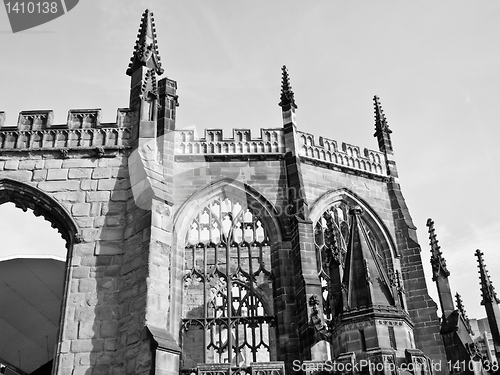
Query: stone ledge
(162, 339)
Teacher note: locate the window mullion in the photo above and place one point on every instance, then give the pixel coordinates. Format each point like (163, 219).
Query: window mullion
(229, 286)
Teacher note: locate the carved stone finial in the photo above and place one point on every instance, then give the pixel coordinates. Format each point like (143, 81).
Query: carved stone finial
(287, 96)
(487, 290)
(146, 50)
(380, 120)
(438, 263)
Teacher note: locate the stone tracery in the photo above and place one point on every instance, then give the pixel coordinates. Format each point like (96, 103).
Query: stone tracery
(227, 287)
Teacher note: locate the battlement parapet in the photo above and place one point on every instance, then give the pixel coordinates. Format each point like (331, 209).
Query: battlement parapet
(350, 156)
(271, 141)
(83, 129)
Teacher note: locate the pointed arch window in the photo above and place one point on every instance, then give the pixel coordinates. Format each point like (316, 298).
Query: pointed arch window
(227, 312)
(331, 234)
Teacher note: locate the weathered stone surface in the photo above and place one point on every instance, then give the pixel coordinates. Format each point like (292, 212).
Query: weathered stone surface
(80, 173)
(81, 209)
(57, 174)
(55, 186)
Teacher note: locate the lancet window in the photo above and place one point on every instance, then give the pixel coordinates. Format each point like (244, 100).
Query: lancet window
(227, 309)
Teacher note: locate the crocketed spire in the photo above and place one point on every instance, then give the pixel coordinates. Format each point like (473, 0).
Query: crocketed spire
(461, 309)
(438, 263)
(383, 135)
(146, 50)
(380, 120)
(287, 96)
(487, 290)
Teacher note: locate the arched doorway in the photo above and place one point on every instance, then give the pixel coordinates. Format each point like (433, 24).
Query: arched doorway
(33, 259)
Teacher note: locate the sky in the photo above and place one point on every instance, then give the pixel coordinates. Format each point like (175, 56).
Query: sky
(434, 65)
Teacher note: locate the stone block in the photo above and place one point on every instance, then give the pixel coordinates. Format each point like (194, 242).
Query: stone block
(111, 234)
(119, 195)
(88, 345)
(162, 235)
(23, 176)
(81, 273)
(11, 165)
(27, 164)
(98, 196)
(67, 360)
(57, 174)
(99, 221)
(39, 175)
(113, 208)
(114, 185)
(108, 184)
(89, 185)
(87, 285)
(85, 222)
(99, 173)
(81, 173)
(53, 163)
(110, 344)
(108, 329)
(54, 186)
(108, 248)
(87, 330)
(119, 173)
(40, 164)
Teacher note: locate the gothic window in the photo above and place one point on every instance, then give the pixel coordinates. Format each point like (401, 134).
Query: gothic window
(227, 309)
(331, 234)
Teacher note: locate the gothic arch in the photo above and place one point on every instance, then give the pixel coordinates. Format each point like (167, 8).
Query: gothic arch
(227, 186)
(25, 196)
(371, 217)
(190, 209)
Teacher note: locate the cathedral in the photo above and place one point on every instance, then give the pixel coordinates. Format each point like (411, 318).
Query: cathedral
(270, 254)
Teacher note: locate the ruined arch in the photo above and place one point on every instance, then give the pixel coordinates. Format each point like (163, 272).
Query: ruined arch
(37, 287)
(25, 196)
(369, 215)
